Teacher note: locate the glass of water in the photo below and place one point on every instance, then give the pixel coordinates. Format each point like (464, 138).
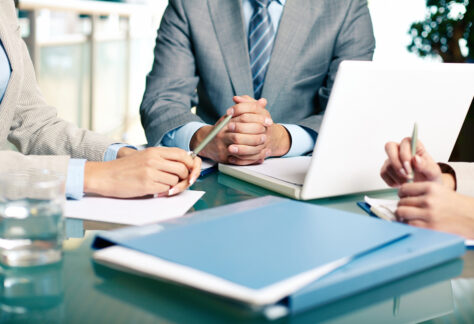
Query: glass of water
(31, 217)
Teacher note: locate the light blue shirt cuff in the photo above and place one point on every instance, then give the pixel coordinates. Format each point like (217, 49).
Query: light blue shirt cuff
(75, 179)
(181, 136)
(112, 151)
(302, 140)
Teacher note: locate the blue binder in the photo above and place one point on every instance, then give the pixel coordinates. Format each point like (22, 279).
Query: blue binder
(228, 242)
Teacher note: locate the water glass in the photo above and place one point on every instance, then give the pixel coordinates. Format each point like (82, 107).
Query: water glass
(31, 217)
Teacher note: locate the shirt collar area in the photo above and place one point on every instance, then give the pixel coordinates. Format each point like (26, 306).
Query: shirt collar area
(281, 2)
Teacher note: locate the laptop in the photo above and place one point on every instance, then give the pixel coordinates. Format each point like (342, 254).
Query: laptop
(371, 103)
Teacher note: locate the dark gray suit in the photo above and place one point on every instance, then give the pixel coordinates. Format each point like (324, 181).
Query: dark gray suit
(201, 58)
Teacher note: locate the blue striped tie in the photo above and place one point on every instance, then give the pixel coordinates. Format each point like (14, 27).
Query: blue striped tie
(261, 38)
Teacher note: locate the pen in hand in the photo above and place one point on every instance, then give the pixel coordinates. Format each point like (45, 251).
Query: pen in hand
(210, 136)
(414, 138)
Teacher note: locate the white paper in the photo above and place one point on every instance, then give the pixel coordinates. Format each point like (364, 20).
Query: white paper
(207, 164)
(132, 211)
(292, 170)
(383, 208)
(469, 243)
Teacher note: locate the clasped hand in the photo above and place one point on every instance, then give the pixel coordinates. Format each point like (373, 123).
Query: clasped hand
(249, 138)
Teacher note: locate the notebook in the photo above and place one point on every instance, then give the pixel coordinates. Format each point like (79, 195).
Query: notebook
(371, 103)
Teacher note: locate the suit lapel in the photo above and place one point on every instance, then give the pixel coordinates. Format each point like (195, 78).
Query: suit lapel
(296, 22)
(226, 16)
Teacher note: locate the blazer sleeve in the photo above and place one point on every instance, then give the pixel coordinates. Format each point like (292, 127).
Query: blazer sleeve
(464, 177)
(171, 84)
(355, 41)
(15, 161)
(36, 128)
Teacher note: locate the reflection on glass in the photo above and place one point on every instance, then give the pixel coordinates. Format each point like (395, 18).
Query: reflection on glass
(32, 294)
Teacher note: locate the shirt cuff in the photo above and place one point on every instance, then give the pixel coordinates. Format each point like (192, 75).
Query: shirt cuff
(112, 151)
(302, 140)
(75, 179)
(181, 136)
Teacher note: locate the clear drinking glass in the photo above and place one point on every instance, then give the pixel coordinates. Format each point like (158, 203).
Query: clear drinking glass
(31, 217)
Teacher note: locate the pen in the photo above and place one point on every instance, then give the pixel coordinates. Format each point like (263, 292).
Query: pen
(414, 137)
(210, 137)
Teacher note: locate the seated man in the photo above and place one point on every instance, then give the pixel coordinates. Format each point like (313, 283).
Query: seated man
(431, 201)
(33, 127)
(272, 63)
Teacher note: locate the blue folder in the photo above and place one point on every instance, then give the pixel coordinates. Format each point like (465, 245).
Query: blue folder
(267, 240)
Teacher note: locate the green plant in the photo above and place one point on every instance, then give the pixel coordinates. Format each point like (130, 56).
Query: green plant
(447, 23)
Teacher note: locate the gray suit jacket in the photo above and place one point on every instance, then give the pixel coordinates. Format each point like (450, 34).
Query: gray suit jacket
(201, 58)
(28, 122)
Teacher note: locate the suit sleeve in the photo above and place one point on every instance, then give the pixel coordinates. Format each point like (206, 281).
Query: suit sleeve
(171, 84)
(355, 41)
(36, 129)
(464, 173)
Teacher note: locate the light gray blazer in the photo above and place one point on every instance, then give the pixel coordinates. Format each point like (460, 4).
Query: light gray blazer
(201, 58)
(28, 122)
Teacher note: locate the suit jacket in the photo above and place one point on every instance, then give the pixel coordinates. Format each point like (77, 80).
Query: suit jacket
(464, 177)
(201, 58)
(28, 122)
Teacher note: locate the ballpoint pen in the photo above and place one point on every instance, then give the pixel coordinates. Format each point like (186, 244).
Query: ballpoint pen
(414, 137)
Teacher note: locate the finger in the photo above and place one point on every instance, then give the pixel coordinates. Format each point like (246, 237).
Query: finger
(410, 213)
(418, 223)
(246, 150)
(392, 150)
(389, 180)
(260, 155)
(176, 154)
(166, 178)
(172, 167)
(179, 188)
(244, 139)
(244, 98)
(416, 201)
(395, 176)
(157, 188)
(413, 189)
(427, 167)
(195, 172)
(246, 108)
(405, 154)
(237, 161)
(253, 118)
(246, 128)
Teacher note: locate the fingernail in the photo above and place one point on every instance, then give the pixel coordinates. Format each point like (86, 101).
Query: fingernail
(263, 139)
(408, 168)
(402, 171)
(192, 181)
(231, 127)
(230, 111)
(232, 160)
(233, 149)
(239, 97)
(268, 121)
(172, 191)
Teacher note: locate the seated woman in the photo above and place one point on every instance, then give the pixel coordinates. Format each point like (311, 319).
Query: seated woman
(44, 141)
(441, 197)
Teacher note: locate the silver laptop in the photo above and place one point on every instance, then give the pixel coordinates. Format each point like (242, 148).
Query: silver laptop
(371, 103)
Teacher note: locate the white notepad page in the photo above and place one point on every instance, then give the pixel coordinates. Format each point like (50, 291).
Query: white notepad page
(132, 211)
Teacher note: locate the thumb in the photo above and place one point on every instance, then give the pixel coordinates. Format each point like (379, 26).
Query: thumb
(427, 167)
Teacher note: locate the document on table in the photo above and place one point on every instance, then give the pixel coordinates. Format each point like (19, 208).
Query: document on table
(385, 209)
(139, 211)
(292, 170)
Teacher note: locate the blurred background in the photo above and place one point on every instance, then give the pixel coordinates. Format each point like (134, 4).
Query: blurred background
(92, 57)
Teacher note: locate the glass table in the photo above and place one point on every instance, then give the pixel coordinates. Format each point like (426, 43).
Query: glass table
(77, 290)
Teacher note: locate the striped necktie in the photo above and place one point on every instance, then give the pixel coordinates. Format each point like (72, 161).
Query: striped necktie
(261, 38)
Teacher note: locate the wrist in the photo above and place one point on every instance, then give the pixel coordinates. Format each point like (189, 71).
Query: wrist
(448, 181)
(125, 151)
(281, 140)
(199, 136)
(91, 171)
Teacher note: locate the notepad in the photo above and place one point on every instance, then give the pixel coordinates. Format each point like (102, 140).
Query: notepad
(383, 208)
(132, 211)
